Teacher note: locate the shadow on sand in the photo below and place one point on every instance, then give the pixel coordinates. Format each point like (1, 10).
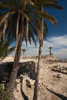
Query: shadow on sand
(57, 94)
(25, 68)
(23, 94)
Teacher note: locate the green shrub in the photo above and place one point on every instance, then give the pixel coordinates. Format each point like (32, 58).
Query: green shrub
(4, 95)
(1, 88)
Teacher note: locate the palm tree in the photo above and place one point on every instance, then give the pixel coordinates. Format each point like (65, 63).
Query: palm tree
(43, 3)
(13, 22)
(16, 16)
(35, 97)
(50, 48)
(24, 50)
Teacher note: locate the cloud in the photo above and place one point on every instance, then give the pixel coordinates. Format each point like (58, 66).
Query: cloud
(59, 45)
(59, 41)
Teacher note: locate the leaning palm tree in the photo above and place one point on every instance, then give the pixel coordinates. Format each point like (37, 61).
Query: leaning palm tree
(14, 23)
(41, 4)
(16, 16)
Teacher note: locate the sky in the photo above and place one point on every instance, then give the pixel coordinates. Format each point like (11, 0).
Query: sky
(57, 35)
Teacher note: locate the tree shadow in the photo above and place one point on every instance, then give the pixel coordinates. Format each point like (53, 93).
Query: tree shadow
(5, 71)
(23, 94)
(57, 94)
(25, 68)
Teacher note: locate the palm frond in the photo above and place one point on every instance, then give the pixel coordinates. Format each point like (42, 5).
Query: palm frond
(48, 3)
(6, 52)
(45, 15)
(26, 31)
(0, 35)
(5, 5)
(4, 48)
(5, 17)
(32, 36)
(17, 28)
(53, 5)
(4, 29)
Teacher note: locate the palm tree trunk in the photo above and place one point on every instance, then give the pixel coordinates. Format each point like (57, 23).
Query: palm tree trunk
(13, 76)
(26, 30)
(37, 77)
(39, 62)
(14, 72)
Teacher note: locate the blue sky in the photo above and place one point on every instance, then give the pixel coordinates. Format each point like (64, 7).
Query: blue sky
(61, 16)
(57, 35)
